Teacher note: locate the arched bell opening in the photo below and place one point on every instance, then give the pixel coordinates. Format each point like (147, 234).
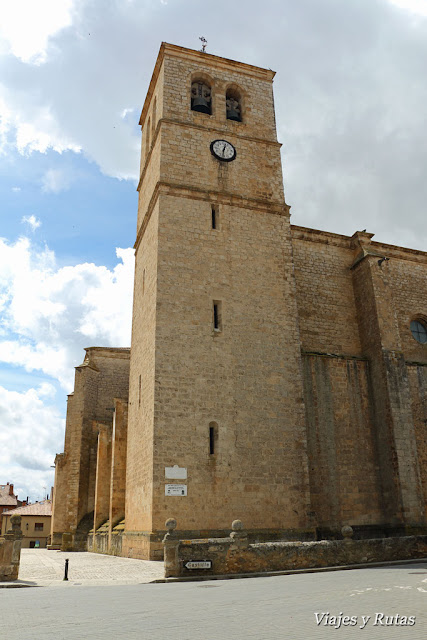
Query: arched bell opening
(233, 105)
(201, 97)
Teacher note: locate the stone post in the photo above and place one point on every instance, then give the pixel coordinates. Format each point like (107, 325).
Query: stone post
(10, 551)
(347, 533)
(238, 536)
(170, 545)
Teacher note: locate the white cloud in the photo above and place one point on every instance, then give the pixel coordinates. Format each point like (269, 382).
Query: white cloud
(28, 126)
(16, 189)
(49, 314)
(32, 221)
(55, 180)
(30, 433)
(415, 6)
(26, 25)
(126, 112)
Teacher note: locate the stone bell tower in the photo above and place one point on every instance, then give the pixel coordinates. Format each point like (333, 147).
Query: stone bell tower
(216, 417)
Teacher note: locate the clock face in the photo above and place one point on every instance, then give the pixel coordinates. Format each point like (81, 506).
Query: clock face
(223, 150)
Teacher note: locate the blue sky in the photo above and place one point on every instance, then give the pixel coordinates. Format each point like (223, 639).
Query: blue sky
(350, 95)
(79, 209)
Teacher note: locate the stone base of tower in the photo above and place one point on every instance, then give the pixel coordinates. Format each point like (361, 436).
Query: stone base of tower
(55, 541)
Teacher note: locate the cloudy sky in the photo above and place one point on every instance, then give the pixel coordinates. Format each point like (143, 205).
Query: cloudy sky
(350, 94)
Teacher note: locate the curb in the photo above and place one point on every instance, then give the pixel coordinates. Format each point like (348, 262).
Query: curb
(17, 585)
(288, 572)
(235, 576)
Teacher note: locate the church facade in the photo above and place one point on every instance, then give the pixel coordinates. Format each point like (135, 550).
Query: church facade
(277, 374)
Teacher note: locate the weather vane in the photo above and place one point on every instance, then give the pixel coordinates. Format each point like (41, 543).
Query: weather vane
(204, 43)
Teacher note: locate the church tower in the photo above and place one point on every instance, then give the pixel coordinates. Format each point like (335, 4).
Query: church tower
(216, 414)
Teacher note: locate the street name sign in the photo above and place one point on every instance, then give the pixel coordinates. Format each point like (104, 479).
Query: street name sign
(198, 564)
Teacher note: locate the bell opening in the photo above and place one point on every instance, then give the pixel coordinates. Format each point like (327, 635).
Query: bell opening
(201, 98)
(233, 108)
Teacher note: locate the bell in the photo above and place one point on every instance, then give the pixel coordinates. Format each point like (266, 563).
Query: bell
(200, 104)
(232, 114)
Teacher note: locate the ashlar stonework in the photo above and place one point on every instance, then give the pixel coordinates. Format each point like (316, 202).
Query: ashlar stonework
(272, 367)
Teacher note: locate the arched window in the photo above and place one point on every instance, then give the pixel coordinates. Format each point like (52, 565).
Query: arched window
(201, 97)
(233, 104)
(419, 330)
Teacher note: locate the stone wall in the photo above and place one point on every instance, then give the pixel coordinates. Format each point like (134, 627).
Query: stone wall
(235, 555)
(341, 444)
(364, 380)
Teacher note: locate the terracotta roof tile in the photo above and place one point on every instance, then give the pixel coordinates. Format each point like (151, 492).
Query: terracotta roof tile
(6, 500)
(37, 509)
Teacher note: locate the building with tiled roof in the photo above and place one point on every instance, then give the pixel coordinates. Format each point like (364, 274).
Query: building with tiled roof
(35, 523)
(8, 500)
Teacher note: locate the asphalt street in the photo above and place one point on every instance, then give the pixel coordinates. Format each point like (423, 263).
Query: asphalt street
(256, 608)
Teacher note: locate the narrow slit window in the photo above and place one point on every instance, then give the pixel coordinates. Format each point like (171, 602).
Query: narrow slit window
(143, 282)
(139, 392)
(213, 433)
(214, 217)
(211, 440)
(217, 316)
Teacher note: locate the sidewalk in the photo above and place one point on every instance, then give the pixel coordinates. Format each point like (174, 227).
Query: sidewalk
(43, 568)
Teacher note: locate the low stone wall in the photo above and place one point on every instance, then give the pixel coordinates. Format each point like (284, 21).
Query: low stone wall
(232, 555)
(10, 551)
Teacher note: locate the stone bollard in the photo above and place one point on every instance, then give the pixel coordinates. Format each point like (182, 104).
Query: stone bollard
(239, 537)
(10, 550)
(347, 533)
(170, 546)
(15, 529)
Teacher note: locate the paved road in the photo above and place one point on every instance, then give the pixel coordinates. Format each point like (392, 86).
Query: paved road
(281, 607)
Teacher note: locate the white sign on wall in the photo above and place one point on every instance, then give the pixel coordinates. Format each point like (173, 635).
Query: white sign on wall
(175, 489)
(198, 564)
(176, 473)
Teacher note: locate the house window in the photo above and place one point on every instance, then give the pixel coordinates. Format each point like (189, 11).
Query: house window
(419, 331)
(38, 526)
